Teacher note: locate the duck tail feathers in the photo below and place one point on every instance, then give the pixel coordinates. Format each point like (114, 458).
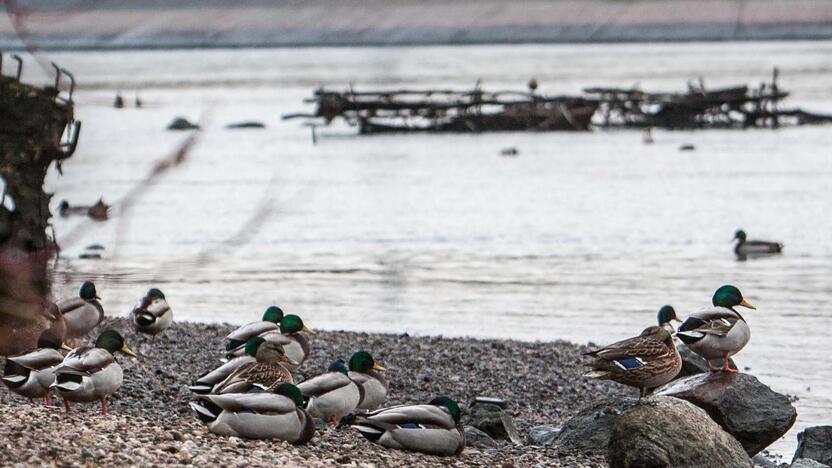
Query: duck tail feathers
(597, 374)
(205, 410)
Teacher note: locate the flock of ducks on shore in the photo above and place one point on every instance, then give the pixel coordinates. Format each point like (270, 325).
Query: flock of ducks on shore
(253, 393)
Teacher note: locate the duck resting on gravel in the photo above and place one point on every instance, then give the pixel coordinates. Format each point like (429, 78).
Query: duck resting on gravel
(745, 248)
(646, 361)
(31, 374)
(291, 334)
(236, 340)
(433, 428)
(82, 313)
(364, 371)
(91, 373)
(265, 373)
(152, 315)
(719, 331)
(276, 414)
(332, 395)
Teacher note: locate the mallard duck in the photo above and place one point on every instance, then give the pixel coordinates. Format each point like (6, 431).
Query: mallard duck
(92, 373)
(720, 331)
(237, 339)
(291, 335)
(267, 372)
(206, 382)
(82, 313)
(364, 371)
(31, 374)
(646, 361)
(433, 428)
(152, 314)
(278, 414)
(745, 247)
(332, 395)
(665, 317)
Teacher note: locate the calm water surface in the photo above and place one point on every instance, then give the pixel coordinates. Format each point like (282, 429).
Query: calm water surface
(581, 237)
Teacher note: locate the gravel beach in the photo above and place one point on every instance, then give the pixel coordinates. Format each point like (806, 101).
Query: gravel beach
(150, 422)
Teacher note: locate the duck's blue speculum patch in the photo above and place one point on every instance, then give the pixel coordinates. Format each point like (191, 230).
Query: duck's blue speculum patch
(630, 363)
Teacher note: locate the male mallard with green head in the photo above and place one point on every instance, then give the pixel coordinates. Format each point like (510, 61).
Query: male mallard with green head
(82, 313)
(31, 374)
(332, 395)
(364, 371)
(719, 331)
(666, 317)
(291, 334)
(433, 428)
(746, 247)
(277, 414)
(237, 339)
(152, 315)
(265, 373)
(646, 361)
(91, 373)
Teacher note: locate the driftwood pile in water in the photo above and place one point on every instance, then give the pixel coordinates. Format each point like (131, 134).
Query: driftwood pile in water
(699, 108)
(481, 111)
(452, 111)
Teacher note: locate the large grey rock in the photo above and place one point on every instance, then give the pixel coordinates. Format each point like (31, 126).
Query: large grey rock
(477, 438)
(493, 420)
(542, 435)
(815, 443)
(807, 463)
(693, 363)
(664, 432)
(747, 409)
(589, 430)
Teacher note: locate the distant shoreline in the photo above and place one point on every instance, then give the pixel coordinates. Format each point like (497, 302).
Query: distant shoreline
(192, 24)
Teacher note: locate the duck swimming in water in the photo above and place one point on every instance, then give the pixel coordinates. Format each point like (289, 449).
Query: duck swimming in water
(719, 331)
(745, 248)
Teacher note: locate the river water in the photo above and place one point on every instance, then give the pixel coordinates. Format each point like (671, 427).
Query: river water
(581, 237)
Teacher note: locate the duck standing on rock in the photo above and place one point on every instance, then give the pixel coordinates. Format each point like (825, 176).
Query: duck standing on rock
(364, 371)
(237, 339)
(332, 395)
(646, 361)
(433, 428)
(745, 248)
(277, 414)
(82, 313)
(152, 315)
(91, 373)
(265, 373)
(31, 374)
(720, 331)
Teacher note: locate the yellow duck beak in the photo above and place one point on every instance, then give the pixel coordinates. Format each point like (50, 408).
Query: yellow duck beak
(745, 303)
(65, 347)
(98, 297)
(378, 368)
(307, 330)
(126, 350)
(292, 361)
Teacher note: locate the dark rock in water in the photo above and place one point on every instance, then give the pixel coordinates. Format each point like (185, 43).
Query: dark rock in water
(815, 443)
(589, 430)
(180, 123)
(511, 151)
(542, 435)
(477, 438)
(687, 147)
(90, 256)
(245, 125)
(492, 420)
(95, 247)
(667, 432)
(747, 409)
(693, 363)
